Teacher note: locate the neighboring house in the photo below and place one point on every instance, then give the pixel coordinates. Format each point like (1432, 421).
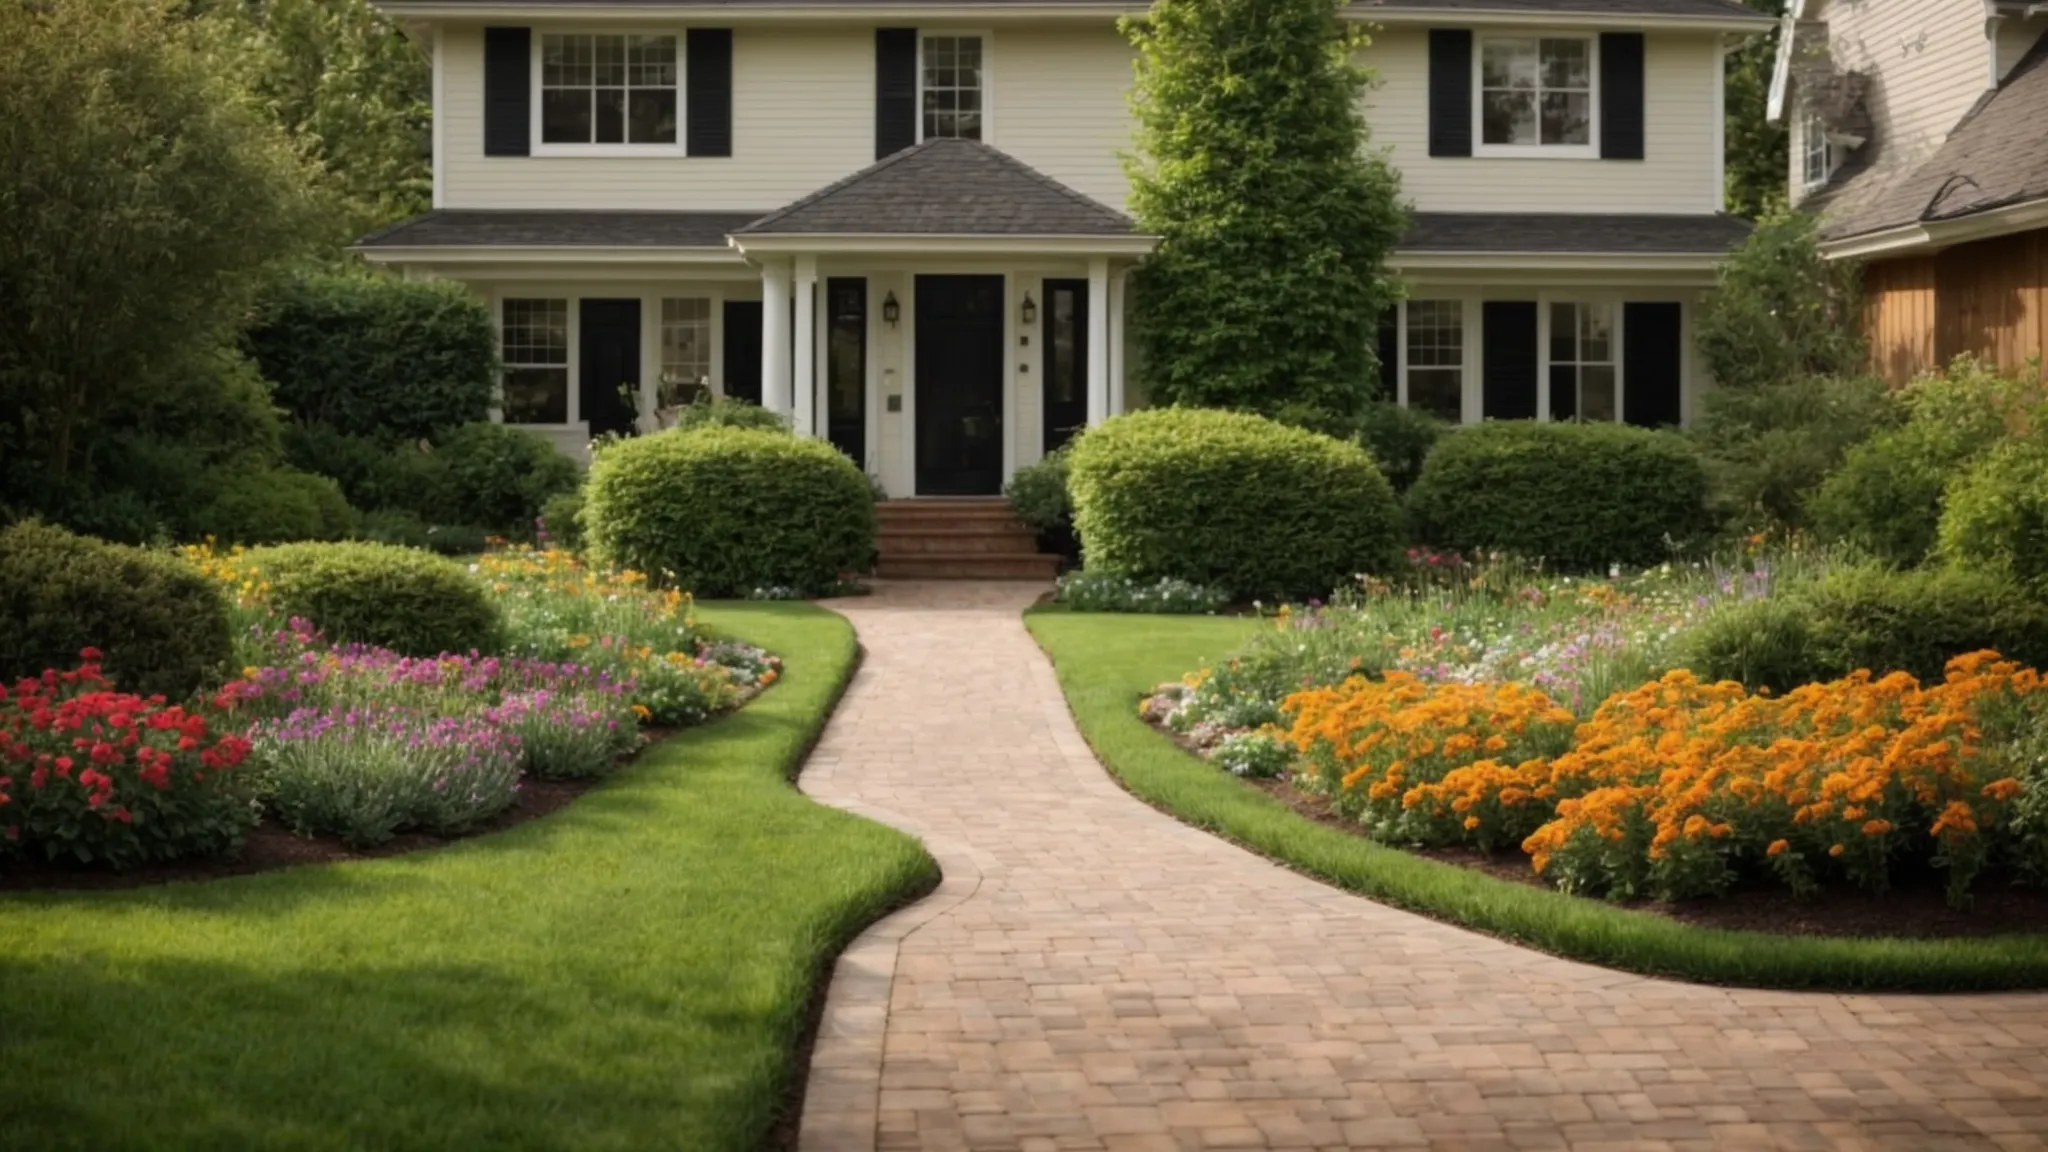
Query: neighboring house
(902, 223)
(1920, 133)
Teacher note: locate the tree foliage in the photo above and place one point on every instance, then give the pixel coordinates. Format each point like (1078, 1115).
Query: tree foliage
(1273, 219)
(1757, 162)
(1781, 310)
(143, 199)
(351, 90)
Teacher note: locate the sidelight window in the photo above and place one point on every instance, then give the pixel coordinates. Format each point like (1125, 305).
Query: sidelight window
(1582, 359)
(1434, 363)
(535, 350)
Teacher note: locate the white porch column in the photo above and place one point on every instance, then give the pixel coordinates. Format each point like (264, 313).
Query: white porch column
(1098, 342)
(806, 346)
(1116, 340)
(775, 375)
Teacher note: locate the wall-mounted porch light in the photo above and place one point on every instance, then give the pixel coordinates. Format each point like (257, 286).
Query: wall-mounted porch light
(1030, 309)
(891, 311)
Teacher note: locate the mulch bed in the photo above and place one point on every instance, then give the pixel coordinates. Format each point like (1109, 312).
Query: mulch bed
(270, 846)
(1917, 908)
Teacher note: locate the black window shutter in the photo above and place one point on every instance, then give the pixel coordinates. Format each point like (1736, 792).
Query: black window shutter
(1390, 353)
(895, 90)
(1621, 95)
(1650, 363)
(508, 95)
(1508, 342)
(708, 99)
(1450, 92)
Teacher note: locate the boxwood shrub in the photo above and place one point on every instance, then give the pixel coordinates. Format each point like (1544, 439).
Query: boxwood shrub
(1229, 499)
(722, 511)
(499, 477)
(399, 598)
(162, 626)
(1995, 516)
(275, 506)
(1580, 496)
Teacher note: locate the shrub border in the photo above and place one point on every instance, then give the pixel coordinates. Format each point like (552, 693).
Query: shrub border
(1161, 773)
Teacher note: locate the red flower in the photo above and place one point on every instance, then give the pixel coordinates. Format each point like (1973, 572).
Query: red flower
(121, 814)
(120, 720)
(64, 764)
(89, 655)
(38, 778)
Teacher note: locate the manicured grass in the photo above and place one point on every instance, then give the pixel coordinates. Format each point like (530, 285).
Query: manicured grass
(630, 973)
(1107, 663)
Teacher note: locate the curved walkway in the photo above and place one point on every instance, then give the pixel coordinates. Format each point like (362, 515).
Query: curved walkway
(1094, 975)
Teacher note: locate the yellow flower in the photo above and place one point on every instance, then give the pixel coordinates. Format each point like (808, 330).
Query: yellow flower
(641, 711)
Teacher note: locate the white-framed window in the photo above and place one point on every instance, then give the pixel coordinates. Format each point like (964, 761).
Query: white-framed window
(1816, 162)
(534, 344)
(608, 91)
(952, 86)
(1536, 95)
(685, 347)
(1433, 358)
(1583, 381)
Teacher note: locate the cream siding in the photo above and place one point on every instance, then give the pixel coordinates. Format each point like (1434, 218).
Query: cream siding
(1680, 172)
(803, 116)
(1062, 104)
(1927, 62)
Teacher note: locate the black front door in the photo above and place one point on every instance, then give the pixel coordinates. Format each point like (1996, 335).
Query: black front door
(609, 365)
(846, 366)
(959, 385)
(1066, 360)
(743, 350)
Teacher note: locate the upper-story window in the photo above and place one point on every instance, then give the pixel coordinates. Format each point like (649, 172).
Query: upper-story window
(1816, 163)
(952, 87)
(608, 90)
(1536, 95)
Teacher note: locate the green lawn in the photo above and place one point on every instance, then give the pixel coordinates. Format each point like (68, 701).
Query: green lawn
(630, 973)
(1107, 663)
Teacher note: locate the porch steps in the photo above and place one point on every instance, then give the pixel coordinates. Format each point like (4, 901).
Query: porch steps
(957, 539)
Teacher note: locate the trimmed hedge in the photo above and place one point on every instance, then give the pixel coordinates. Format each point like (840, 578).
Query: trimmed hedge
(1230, 499)
(375, 356)
(276, 506)
(498, 476)
(399, 598)
(1581, 496)
(722, 511)
(1872, 617)
(1995, 516)
(162, 626)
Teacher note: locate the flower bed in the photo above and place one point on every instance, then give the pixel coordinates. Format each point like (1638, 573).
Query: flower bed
(1486, 733)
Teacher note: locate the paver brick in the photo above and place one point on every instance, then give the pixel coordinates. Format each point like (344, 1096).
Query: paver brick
(1095, 975)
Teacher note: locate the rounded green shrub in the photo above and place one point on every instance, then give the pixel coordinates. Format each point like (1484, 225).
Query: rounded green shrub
(1885, 498)
(1763, 643)
(498, 477)
(708, 411)
(561, 520)
(399, 598)
(1871, 616)
(162, 626)
(275, 506)
(1038, 493)
(1232, 500)
(1399, 439)
(723, 511)
(1995, 516)
(1580, 496)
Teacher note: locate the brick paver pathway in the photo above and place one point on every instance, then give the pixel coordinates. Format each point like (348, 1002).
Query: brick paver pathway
(1095, 975)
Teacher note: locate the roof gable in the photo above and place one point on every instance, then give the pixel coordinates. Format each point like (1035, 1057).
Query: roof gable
(945, 187)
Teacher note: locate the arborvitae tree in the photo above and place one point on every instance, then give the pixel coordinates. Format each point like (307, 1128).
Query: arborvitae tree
(1274, 219)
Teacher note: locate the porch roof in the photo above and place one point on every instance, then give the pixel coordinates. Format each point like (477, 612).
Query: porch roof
(944, 187)
(565, 228)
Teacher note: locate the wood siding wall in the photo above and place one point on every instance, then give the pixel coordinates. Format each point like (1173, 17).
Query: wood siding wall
(1989, 298)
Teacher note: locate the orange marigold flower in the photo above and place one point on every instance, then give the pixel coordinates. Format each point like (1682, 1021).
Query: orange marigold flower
(1471, 822)
(1834, 850)
(1876, 827)
(1957, 819)
(2004, 789)
(1778, 848)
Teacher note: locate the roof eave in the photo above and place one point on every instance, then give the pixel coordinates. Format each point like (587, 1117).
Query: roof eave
(822, 243)
(1422, 260)
(1929, 236)
(840, 11)
(540, 254)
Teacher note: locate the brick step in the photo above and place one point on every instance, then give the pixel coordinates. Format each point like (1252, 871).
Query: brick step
(894, 541)
(969, 566)
(943, 517)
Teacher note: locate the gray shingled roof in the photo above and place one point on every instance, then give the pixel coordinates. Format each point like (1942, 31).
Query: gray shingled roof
(1996, 156)
(945, 187)
(473, 227)
(1539, 233)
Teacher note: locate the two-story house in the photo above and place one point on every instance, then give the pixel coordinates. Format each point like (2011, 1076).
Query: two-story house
(1920, 134)
(901, 221)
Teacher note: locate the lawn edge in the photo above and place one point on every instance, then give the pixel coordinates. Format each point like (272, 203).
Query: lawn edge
(1618, 939)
